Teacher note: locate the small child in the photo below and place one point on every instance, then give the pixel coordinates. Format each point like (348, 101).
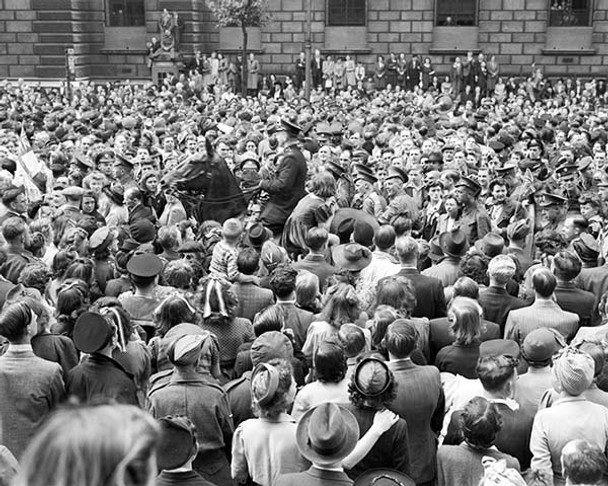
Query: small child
(225, 253)
(353, 341)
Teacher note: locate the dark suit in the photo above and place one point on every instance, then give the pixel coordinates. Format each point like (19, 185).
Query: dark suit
(420, 402)
(430, 300)
(141, 212)
(285, 189)
(15, 263)
(297, 320)
(594, 280)
(513, 438)
(497, 304)
(440, 337)
(318, 265)
(252, 299)
(571, 299)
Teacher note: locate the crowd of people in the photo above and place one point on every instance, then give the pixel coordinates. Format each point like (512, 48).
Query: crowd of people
(416, 293)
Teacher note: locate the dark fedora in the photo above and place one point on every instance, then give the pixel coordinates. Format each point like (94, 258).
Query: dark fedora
(435, 251)
(289, 127)
(257, 234)
(352, 256)
(92, 332)
(454, 243)
(396, 173)
(491, 244)
(327, 433)
(177, 442)
(384, 477)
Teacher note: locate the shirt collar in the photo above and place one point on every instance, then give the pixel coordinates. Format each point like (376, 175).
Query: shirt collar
(286, 302)
(19, 348)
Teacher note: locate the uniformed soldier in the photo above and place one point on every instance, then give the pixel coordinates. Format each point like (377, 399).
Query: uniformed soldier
(566, 176)
(399, 203)
(123, 171)
(553, 211)
(367, 198)
(474, 221)
(71, 208)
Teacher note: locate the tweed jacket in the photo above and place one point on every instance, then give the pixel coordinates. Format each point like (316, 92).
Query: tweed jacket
(542, 313)
(420, 402)
(318, 265)
(30, 387)
(251, 297)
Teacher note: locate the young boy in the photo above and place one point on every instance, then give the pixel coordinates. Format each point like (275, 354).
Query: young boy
(225, 253)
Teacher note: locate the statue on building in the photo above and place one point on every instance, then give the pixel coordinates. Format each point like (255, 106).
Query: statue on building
(170, 26)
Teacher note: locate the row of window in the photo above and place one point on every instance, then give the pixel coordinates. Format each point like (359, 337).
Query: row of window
(562, 13)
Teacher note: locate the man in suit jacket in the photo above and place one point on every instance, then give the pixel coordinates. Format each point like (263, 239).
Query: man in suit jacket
(251, 297)
(494, 300)
(498, 375)
(566, 267)
(430, 301)
(30, 387)
(544, 312)
(287, 186)
(594, 280)
(420, 400)
(315, 261)
(283, 284)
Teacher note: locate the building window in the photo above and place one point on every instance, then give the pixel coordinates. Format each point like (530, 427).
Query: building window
(454, 13)
(126, 13)
(346, 12)
(569, 13)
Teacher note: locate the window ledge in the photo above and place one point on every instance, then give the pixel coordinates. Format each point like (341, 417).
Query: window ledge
(456, 50)
(240, 51)
(569, 52)
(126, 50)
(348, 50)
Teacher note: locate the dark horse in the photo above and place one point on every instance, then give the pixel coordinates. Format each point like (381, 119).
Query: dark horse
(206, 187)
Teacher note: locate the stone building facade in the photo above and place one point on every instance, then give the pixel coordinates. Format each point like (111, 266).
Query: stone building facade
(34, 34)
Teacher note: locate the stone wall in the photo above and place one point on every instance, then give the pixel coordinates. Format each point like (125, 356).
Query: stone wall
(35, 33)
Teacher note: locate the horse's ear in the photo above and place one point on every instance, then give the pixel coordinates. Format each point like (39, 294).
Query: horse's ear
(208, 147)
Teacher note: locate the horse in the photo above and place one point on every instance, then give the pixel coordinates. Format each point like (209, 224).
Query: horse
(207, 187)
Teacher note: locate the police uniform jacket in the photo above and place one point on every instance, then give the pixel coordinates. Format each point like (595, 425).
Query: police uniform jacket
(286, 189)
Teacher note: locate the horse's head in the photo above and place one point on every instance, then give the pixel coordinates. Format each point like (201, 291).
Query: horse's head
(194, 172)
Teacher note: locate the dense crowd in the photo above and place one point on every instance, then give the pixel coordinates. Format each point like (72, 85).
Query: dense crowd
(415, 289)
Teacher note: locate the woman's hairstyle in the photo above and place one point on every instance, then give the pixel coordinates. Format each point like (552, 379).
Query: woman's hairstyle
(44, 226)
(279, 401)
(81, 268)
(72, 300)
(323, 185)
(307, 291)
(268, 319)
(217, 301)
(61, 261)
(94, 176)
(397, 292)
(36, 276)
(464, 317)
(340, 305)
(74, 238)
(178, 274)
(481, 422)
(172, 311)
(330, 362)
(107, 445)
(475, 266)
(384, 316)
(114, 313)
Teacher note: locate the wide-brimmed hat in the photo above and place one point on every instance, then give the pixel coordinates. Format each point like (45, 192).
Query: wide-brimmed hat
(327, 433)
(352, 256)
(384, 477)
(454, 243)
(257, 234)
(491, 244)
